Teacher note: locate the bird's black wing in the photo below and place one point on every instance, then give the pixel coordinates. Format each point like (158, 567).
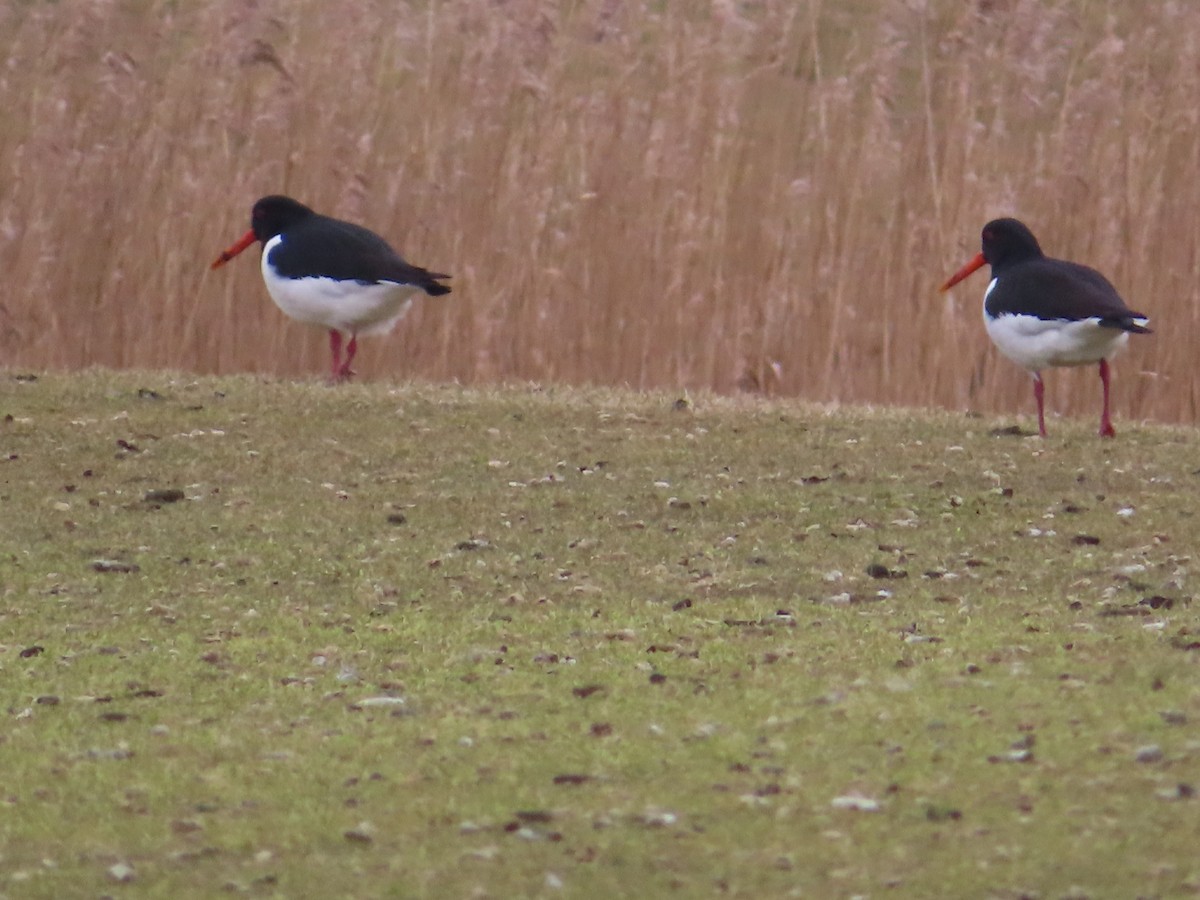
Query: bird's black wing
(344, 251)
(1057, 289)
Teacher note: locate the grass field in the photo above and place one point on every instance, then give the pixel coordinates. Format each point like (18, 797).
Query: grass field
(272, 639)
(757, 196)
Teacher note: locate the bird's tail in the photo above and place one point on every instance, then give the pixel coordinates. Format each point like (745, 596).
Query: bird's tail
(1132, 324)
(430, 284)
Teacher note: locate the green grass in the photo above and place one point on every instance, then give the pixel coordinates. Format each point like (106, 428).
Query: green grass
(635, 647)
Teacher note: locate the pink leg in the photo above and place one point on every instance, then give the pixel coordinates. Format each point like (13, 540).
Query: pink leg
(1039, 391)
(345, 373)
(1106, 427)
(335, 348)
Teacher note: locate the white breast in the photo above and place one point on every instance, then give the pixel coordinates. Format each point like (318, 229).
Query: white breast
(347, 306)
(1037, 343)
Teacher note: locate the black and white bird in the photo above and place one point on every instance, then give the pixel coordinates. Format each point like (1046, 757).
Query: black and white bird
(1043, 312)
(332, 273)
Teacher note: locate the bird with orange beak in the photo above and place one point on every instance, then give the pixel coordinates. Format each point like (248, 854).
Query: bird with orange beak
(1042, 312)
(331, 273)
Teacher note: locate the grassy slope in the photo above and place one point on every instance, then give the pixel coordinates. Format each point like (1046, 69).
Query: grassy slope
(597, 585)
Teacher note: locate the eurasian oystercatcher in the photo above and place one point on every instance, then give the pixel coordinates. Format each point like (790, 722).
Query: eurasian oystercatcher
(331, 273)
(1043, 312)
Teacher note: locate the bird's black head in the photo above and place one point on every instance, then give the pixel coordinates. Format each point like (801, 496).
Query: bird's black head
(1008, 241)
(276, 214)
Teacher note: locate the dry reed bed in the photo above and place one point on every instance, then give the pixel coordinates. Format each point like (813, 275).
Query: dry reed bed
(756, 196)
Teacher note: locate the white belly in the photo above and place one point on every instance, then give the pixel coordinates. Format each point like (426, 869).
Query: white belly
(1037, 343)
(347, 306)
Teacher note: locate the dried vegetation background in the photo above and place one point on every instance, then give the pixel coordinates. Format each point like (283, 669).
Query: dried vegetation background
(755, 196)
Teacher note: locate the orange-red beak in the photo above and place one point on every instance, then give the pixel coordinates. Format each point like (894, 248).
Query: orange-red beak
(243, 242)
(977, 262)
